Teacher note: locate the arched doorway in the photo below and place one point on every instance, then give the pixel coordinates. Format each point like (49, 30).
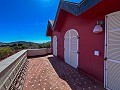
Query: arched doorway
(71, 47)
(55, 45)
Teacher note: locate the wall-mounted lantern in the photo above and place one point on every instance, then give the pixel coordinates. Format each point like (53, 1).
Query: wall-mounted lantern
(98, 28)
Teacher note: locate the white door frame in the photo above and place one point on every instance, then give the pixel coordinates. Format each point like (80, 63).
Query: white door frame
(106, 52)
(69, 31)
(55, 45)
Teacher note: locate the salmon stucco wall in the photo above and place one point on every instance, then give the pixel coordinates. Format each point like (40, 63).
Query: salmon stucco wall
(59, 45)
(89, 41)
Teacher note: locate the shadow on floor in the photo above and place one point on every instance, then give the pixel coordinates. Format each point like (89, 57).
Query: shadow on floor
(75, 79)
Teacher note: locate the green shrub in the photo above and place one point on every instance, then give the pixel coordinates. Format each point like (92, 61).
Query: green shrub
(5, 51)
(45, 45)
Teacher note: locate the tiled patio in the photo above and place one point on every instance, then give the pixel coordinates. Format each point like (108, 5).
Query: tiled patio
(50, 73)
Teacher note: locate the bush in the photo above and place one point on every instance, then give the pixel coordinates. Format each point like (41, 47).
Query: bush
(45, 45)
(5, 51)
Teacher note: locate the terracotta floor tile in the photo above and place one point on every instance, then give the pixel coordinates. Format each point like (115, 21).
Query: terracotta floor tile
(50, 73)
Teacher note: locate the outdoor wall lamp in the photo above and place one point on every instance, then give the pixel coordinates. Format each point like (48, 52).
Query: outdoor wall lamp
(98, 28)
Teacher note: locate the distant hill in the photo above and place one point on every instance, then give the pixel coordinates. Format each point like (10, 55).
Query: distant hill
(30, 45)
(7, 49)
(1, 43)
(22, 42)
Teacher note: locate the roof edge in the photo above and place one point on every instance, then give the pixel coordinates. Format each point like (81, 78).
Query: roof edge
(50, 24)
(74, 8)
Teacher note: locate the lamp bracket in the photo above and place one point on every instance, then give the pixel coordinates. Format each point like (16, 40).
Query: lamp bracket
(99, 22)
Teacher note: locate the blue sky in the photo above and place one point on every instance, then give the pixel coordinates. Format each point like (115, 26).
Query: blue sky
(26, 20)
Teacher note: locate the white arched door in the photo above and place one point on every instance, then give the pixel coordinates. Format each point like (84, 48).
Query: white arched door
(71, 47)
(55, 45)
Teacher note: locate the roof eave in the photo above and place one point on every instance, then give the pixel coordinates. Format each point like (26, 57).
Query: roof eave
(49, 25)
(74, 8)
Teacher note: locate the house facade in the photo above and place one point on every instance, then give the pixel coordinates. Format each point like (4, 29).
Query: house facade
(86, 35)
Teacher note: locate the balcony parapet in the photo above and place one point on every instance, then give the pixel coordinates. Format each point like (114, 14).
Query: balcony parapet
(38, 52)
(13, 69)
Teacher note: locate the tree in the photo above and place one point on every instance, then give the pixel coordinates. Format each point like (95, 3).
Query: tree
(45, 45)
(24, 47)
(19, 44)
(5, 51)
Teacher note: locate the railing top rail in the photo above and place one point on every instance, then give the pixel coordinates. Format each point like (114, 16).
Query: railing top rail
(39, 49)
(8, 61)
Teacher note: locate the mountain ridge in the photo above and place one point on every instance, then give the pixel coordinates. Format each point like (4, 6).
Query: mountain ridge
(17, 42)
(31, 45)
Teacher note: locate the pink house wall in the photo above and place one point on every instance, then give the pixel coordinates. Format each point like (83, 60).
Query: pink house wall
(89, 41)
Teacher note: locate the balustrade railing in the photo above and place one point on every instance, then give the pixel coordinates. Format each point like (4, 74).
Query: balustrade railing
(13, 69)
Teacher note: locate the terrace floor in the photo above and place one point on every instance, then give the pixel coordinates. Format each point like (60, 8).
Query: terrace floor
(50, 73)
